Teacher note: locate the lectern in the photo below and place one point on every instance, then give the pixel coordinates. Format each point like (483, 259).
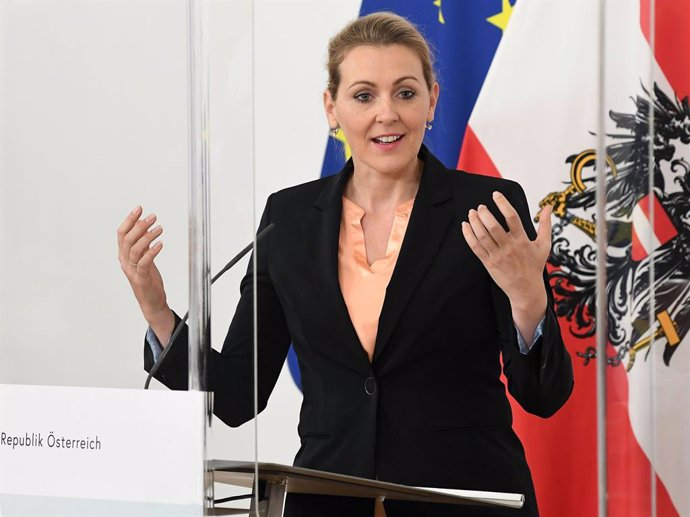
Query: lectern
(276, 481)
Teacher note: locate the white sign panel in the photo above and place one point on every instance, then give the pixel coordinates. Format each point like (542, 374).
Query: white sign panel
(102, 444)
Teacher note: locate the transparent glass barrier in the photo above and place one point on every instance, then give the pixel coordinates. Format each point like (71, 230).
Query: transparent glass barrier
(630, 350)
(285, 146)
(648, 281)
(291, 142)
(669, 278)
(94, 98)
(229, 39)
(537, 120)
(94, 123)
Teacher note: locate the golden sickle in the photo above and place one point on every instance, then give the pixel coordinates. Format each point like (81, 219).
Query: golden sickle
(559, 200)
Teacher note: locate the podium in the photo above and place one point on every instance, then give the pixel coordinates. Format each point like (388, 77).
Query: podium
(109, 472)
(276, 481)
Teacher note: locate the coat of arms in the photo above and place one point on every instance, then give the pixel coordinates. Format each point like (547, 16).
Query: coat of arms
(638, 250)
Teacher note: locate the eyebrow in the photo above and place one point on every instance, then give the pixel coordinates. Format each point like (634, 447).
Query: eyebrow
(397, 81)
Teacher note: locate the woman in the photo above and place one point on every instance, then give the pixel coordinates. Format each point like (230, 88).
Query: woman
(400, 284)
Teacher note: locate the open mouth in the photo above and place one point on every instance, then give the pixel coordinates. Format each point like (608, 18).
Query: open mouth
(388, 139)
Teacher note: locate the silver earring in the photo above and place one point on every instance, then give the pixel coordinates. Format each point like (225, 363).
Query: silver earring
(428, 126)
(334, 131)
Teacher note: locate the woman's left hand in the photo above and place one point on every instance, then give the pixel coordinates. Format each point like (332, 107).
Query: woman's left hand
(515, 262)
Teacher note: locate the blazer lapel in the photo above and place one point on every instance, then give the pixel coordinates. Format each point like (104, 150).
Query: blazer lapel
(321, 235)
(429, 222)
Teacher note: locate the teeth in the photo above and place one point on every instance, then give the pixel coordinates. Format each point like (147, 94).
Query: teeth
(388, 139)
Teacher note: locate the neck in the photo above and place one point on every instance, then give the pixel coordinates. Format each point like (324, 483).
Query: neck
(375, 191)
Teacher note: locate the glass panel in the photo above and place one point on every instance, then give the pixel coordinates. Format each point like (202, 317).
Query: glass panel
(94, 123)
(646, 286)
(662, 282)
(267, 80)
(631, 423)
(536, 122)
(291, 141)
(93, 96)
(229, 37)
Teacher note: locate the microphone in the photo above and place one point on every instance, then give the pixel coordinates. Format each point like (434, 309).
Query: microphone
(156, 366)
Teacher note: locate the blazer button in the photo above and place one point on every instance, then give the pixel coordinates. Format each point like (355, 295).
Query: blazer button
(370, 385)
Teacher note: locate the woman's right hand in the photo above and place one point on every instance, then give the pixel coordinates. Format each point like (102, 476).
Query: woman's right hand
(136, 254)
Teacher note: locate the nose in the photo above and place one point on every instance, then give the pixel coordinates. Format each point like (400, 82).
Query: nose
(387, 113)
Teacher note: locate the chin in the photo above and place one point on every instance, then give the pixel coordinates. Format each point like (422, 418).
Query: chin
(393, 164)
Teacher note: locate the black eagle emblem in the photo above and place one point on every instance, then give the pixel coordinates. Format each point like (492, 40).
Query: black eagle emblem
(633, 257)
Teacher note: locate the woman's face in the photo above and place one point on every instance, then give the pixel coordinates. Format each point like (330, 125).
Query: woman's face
(382, 107)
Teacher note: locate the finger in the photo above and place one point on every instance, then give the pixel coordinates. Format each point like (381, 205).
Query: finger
(147, 258)
(510, 214)
(132, 236)
(128, 224)
(544, 230)
(143, 244)
(473, 242)
(493, 227)
(481, 233)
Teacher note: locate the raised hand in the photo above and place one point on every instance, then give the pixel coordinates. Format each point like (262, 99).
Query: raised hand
(515, 262)
(136, 253)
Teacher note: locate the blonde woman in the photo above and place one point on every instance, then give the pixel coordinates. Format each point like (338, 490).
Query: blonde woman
(401, 284)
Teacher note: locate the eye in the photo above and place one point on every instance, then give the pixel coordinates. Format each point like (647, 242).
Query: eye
(407, 94)
(363, 97)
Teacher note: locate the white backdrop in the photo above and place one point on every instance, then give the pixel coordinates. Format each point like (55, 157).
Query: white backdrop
(93, 121)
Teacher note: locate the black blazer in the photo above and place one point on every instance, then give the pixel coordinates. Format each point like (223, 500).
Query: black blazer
(430, 409)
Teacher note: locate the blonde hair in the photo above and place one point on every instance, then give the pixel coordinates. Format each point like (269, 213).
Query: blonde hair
(380, 30)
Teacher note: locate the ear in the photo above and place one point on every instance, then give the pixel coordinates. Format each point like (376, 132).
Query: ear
(329, 108)
(433, 100)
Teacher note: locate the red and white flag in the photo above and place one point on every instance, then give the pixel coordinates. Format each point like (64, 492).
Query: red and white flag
(535, 121)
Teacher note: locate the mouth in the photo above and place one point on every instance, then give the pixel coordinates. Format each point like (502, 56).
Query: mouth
(387, 139)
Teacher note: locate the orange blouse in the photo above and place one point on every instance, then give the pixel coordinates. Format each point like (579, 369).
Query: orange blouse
(364, 286)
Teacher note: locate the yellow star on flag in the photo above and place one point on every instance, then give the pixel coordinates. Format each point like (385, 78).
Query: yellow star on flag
(437, 3)
(501, 19)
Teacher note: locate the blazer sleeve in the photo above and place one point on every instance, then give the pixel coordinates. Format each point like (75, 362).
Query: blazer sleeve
(231, 371)
(542, 380)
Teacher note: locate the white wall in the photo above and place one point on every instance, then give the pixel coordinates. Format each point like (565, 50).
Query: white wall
(93, 121)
